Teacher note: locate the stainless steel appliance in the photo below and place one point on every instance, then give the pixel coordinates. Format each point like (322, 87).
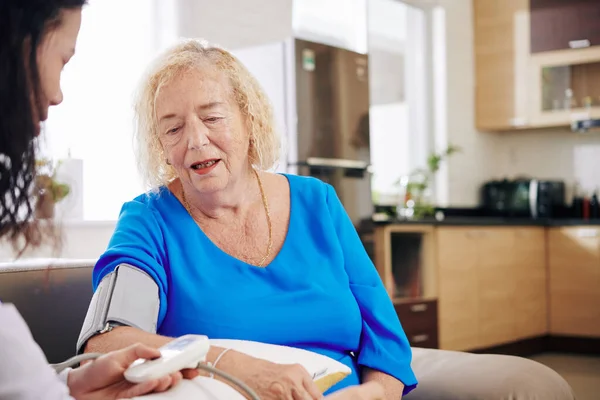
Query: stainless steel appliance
(523, 197)
(321, 98)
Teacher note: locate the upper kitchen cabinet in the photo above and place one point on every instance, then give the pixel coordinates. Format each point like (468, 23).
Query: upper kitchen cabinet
(564, 24)
(537, 63)
(501, 55)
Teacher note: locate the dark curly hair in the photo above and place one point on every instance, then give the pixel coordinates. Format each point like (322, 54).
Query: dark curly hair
(23, 26)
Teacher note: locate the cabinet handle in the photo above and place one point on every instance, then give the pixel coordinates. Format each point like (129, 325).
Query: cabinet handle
(518, 121)
(418, 307)
(419, 338)
(579, 44)
(587, 233)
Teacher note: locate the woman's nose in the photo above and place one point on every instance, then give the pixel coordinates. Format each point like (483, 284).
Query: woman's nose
(198, 135)
(57, 98)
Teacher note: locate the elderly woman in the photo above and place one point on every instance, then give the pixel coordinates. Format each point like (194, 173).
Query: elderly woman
(241, 253)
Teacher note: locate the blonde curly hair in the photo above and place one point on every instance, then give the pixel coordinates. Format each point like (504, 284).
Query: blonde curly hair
(253, 103)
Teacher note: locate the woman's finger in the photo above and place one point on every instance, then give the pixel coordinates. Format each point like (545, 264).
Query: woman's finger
(189, 373)
(311, 388)
(300, 394)
(176, 377)
(139, 389)
(164, 383)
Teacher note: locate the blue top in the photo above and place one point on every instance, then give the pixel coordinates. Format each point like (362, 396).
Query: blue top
(320, 293)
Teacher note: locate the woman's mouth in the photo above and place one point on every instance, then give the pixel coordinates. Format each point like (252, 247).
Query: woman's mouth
(205, 167)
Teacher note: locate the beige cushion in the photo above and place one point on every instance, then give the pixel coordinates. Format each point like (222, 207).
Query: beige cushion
(450, 375)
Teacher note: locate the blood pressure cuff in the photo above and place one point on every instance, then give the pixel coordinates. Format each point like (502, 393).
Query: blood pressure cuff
(127, 296)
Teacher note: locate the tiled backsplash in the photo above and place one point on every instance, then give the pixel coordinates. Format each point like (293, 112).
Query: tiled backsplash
(558, 154)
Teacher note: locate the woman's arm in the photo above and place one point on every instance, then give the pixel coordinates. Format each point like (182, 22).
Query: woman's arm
(384, 346)
(124, 336)
(269, 380)
(392, 387)
(367, 391)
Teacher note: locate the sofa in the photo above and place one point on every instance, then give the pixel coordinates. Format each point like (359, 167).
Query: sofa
(53, 297)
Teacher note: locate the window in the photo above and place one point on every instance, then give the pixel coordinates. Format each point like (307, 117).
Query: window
(401, 43)
(117, 41)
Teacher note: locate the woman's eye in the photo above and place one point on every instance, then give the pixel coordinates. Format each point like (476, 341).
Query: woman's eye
(213, 119)
(173, 130)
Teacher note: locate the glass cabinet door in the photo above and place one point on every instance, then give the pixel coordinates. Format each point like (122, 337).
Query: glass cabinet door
(564, 87)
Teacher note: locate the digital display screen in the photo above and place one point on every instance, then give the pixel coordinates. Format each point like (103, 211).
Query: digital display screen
(178, 345)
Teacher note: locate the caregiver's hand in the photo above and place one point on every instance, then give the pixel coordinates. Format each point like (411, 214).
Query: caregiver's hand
(103, 378)
(367, 391)
(273, 381)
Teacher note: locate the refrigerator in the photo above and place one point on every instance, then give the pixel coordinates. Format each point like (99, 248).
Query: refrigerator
(320, 96)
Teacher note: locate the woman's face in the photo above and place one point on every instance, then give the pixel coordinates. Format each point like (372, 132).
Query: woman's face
(202, 130)
(54, 52)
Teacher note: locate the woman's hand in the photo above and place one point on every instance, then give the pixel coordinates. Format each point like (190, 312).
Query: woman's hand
(103, 378)
(273, 381)
(366, 391)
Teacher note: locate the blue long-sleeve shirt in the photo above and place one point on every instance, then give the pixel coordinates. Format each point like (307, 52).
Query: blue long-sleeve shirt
(320, 293)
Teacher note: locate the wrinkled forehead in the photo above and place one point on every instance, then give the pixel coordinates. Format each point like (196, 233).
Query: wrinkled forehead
(203, 82)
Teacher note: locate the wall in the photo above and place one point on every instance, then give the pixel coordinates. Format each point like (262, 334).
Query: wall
(81, 240)
(475, 164)
(235, 23)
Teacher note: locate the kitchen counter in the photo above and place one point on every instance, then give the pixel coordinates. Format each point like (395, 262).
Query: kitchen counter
(492, 221)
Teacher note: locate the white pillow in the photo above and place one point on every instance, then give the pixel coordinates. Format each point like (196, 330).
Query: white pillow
(199, 388)
(325, 371)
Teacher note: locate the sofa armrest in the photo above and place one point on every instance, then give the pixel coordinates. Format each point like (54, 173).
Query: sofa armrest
(53, 296)
(452, 375)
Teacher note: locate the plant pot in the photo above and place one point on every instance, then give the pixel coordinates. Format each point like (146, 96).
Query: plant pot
(44, 208)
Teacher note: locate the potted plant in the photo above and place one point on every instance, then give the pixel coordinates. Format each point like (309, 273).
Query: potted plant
(48, 191)
(415, 188)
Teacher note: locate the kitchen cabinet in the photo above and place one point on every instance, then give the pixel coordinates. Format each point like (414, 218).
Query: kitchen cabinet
(492, 285)
(487, 286)
(564, 24)
(501, 52)
(526, 76)
(574, 271)
(458, 305)
(419, 320)
(405, 260)
(530, 301)
(564, 86)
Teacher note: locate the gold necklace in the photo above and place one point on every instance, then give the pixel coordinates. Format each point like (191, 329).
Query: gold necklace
(266, 206)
